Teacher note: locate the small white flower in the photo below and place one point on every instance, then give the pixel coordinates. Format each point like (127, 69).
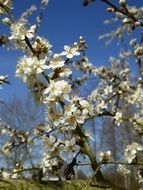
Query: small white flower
(5, 175)
(3, 79)
(28, 66)
(19, 31)
(6, 21)
(101, 105)
(108, 90)
(3, 131)
(42, 46)
(118, 118)
(65, 72)
(131, 151)
(123, 170)
(94, 95)
(57, 90)
(44, 2)
(56, 62)
(15, 175)
(70, 143)
(73, 116)
(70, 52)
(87, 107)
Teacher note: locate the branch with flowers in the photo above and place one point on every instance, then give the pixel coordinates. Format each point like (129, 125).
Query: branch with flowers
(51, 78)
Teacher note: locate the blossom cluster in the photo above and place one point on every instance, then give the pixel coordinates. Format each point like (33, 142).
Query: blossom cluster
(53, 82)
(131, 151)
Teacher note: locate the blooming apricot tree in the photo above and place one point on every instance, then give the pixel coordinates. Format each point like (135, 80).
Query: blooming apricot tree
(50, 78)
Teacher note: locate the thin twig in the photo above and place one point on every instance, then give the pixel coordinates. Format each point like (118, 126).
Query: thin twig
(139, 163)
(123, 11)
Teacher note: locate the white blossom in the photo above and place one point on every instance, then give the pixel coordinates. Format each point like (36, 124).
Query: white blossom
(73, 116)
(42, 47)
(123, 170)
(65, 72)
(28, 66)
(56, 62)
(118, 117)
(131, 151)
(70, 52)
(5, 175)
(57, 91)
(87, 107)
(19, 31)
(108, 90)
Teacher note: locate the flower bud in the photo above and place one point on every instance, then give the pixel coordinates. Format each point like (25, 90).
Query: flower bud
(127, 20)
(3, 78)
(105, 156)
(110, 9)
(119, 15)
(122, 3)
(81, 37)
(133, 11)
(6, 21)
(137, 23)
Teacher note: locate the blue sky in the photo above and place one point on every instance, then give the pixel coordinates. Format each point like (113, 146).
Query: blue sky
(63, 22)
